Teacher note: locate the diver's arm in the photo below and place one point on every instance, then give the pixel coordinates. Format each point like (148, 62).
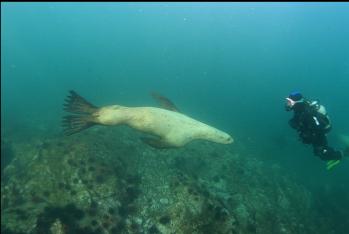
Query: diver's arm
(293, 123)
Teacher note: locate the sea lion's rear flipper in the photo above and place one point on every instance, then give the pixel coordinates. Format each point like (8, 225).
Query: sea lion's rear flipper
(78, 105)
(76, 123)
(164, 102)
(84, 111)
(156, 143)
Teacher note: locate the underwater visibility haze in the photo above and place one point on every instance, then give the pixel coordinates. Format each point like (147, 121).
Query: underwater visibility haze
(228, 65)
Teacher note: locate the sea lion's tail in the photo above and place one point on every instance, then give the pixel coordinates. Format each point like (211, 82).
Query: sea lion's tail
(78, 105)
(83, 114)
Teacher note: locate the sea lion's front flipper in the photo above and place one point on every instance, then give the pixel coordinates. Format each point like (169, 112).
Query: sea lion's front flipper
(156, 143)
(164, 102)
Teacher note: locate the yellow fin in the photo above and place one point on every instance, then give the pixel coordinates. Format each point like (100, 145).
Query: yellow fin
(332, 163)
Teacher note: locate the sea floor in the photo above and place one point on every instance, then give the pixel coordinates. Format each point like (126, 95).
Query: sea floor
(106, 180)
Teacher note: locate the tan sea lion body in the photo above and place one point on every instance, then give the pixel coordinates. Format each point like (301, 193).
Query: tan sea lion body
(172, 127)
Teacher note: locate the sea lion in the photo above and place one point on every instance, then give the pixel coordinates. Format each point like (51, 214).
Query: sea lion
(171, 128)
(164, 102)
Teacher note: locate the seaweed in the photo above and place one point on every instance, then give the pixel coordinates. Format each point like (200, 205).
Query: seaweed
(118, 228)
(8, 231)
(7, 155)
(111, 211)
(69, 215)
(132, 194)
(166, 219)
(153, 230)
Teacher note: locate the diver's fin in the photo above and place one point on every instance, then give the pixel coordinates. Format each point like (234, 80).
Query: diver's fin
(331, 164)
(164, 102)
(78, 105)
(156, 143)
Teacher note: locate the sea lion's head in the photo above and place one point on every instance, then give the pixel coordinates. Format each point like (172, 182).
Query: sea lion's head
(223, 138)
(228, 140)
(217, 136)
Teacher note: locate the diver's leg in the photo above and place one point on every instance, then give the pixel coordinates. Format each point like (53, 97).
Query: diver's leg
(324, 151)
(327, 153)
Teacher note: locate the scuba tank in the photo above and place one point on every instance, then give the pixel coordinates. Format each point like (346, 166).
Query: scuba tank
(320, 117)
(317, 107)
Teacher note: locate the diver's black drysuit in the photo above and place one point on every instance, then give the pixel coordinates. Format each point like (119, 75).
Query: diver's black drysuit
(312, 127)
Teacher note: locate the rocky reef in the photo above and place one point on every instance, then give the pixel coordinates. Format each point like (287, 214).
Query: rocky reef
(105, 180)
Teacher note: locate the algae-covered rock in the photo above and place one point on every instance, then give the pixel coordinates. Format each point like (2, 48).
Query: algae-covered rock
(6, 154)
(108, 181)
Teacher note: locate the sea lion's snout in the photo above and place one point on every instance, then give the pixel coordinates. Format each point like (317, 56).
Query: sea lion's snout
(224, 138)
(221, 137)
(229, 140)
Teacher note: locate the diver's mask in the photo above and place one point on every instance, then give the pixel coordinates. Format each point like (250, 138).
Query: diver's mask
(290, 103)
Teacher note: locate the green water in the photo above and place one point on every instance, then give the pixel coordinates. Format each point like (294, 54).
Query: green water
(227, 64)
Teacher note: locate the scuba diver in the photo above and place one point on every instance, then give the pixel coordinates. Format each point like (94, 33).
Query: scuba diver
(312, 123)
